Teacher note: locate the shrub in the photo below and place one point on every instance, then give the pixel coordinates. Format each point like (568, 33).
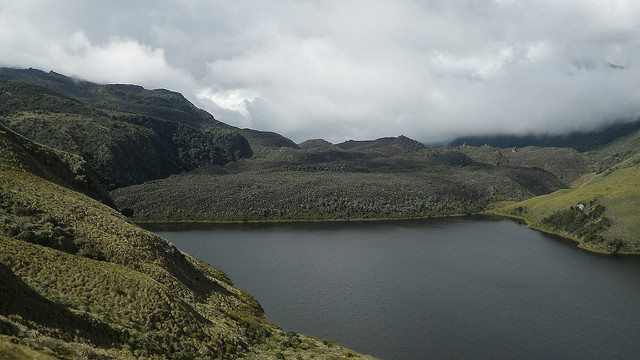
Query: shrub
(586, 224)
(128, 212)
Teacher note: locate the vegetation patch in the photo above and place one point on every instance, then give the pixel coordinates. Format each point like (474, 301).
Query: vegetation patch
(615, 229)
(314, 183)
(584, 221)
(606, 157)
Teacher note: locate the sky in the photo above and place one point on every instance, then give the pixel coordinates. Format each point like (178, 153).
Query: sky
(352, 69)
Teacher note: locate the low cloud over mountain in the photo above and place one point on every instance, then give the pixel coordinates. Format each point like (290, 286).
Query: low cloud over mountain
(432, 70)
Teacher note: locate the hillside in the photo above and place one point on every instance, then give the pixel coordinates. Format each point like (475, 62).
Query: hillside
(567, 164)
(604, 157)
(124, 147)
(59, 167)
(80, 281)
(579, 140)
(160, 103)
(386, 178)
(127, 133)
(601, 213)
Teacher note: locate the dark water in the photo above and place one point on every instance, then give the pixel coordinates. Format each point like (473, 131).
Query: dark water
(465, 288)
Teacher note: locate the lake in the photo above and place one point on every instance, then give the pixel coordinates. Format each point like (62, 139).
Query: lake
(456, 288)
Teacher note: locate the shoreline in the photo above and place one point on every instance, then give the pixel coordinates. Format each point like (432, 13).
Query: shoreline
(143, 223)
(603, 250)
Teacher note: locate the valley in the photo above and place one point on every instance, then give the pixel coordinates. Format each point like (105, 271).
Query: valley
(165, 160)
(82, 163)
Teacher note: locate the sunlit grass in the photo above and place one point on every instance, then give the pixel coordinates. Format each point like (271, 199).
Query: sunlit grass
(10, 351)
(617, 189)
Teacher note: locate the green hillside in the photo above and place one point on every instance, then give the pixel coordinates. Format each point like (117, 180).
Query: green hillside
(125, 147)
(160, 110)
(127, 133)
(160, 103)
(80, 281)
(608, 221)
(59, 167)
(620, 149)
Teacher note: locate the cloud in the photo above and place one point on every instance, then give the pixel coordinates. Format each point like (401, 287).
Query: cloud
(119, 60)
(234, 99)
(430, 70)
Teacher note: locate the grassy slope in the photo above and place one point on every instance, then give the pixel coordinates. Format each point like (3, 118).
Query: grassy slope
(129, 134)
(9, 351)
(618, 150)
(59, 167)
(80, 280)
(618, 189)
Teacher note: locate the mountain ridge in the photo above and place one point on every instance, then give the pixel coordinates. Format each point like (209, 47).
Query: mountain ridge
(127, 133)
(582, 141)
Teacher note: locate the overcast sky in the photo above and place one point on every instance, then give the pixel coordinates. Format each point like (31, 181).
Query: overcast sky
(352, 69)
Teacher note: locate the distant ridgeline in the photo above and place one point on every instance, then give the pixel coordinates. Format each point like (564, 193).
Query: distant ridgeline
(581, 141)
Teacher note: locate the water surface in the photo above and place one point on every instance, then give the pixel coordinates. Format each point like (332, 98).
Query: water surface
(460, 288)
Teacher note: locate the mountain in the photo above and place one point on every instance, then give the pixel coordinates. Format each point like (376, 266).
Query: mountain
(601, 211)
(124, 147)
(126, 98)
(579, 140)
(58, 167)
(79, 280)
(127, 133)
(388, 178)
(401, 144)
(602, 214)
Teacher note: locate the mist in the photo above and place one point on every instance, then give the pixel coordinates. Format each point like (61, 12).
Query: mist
(429, 70)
